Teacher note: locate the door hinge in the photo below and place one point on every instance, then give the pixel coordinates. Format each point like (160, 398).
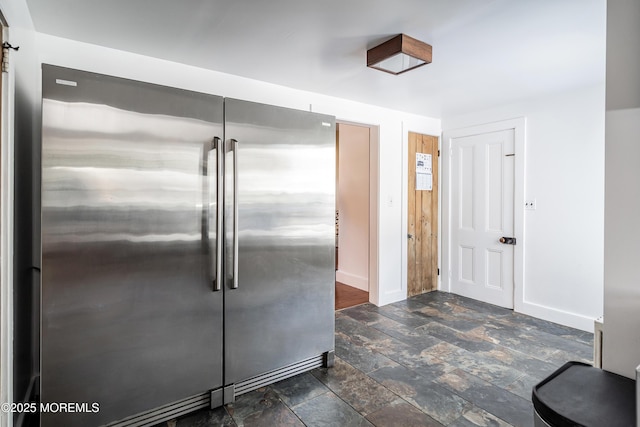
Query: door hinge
(438, 153)
(5, 55)
(438, 272)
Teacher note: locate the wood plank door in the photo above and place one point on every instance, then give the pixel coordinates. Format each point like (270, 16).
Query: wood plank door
(422, 224)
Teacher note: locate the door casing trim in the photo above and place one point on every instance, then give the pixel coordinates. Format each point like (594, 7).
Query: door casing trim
(7, 81)
(518, 125)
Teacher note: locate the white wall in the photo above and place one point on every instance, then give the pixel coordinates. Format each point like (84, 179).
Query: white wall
(353, 206)
(564, 172)
(62, 52)
(621, 345)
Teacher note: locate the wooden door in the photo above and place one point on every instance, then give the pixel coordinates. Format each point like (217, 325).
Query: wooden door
(482, 212)
(422, 228)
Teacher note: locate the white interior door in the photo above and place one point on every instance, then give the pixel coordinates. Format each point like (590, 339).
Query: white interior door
(482, 212)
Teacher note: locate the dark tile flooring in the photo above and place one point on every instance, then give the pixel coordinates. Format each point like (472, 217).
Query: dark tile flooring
(434, 360)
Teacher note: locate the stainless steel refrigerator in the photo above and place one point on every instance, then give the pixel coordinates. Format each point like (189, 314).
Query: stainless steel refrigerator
(187, 248)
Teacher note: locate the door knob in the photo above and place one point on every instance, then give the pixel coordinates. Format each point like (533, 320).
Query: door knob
(508, 240)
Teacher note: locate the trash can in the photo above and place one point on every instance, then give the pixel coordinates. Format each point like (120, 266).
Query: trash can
(578, 394)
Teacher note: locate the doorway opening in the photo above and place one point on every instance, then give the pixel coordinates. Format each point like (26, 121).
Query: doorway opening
(356, 214)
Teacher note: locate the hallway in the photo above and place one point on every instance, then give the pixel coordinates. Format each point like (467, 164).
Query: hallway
(348, 296)
(436, 359)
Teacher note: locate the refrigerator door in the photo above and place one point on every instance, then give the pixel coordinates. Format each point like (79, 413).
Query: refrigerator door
(279, 265)
(130, 318)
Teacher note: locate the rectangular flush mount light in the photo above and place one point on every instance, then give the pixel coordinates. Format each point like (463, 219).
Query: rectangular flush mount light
(399, 54)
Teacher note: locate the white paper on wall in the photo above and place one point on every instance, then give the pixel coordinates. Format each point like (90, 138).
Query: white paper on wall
(424, 172)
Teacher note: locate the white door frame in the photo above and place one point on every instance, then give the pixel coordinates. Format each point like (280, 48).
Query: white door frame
(374, 189)
(6, 246)
(519, 127)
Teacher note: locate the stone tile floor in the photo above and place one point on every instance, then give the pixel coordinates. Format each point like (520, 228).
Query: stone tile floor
(433, 360)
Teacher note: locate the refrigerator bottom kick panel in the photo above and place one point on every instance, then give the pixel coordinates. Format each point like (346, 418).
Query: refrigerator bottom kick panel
(166, 413)
(280, 374)
(215, 398)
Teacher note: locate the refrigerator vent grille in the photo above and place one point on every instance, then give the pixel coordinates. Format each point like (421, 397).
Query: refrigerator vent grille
(201, 401)
(277, 375)
(165, 413)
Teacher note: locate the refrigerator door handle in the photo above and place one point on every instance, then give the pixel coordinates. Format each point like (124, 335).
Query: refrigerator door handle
(234, 148)
(216, 264)
(206, 200)
(217, 281)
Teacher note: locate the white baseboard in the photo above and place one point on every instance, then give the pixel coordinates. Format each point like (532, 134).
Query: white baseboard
(359, 282)
(549, 314)
(554, 315)
(391, 297)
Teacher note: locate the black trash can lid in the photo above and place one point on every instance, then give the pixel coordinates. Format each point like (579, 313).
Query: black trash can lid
(578, 394)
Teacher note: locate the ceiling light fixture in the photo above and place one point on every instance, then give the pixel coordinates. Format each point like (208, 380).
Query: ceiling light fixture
(399, 54)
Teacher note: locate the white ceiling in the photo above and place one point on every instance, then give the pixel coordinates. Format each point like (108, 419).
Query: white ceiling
(485, 52)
